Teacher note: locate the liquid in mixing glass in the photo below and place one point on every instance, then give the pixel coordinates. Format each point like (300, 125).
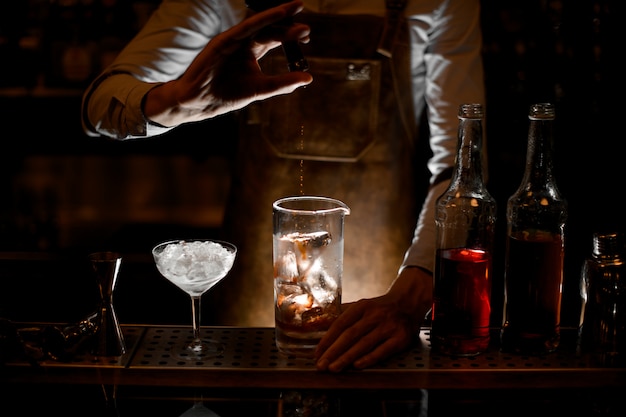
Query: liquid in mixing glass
(307, 290)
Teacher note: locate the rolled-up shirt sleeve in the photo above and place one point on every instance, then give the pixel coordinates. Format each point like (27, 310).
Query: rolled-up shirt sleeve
(116, 108)
(170, 40)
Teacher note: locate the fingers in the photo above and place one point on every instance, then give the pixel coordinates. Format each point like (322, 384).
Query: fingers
(387, 348)
(258, 21)
(297, 32)
(262, 29)
(364, 334)
(367, 349)
(344, 352)
(349, 338)
(348, 317)
(271, 38)
(270, 86)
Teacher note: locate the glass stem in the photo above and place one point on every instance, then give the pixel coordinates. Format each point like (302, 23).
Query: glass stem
(195, 311)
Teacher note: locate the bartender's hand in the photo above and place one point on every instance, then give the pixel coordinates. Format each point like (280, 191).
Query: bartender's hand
(226, 76)
(371, 330)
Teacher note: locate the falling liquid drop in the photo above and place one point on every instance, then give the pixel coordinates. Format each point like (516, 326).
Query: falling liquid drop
(301, 148)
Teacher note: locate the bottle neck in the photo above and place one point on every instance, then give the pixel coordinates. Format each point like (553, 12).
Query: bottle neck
(539, 152)
(608, 246)
(468, 170)
(537, 210)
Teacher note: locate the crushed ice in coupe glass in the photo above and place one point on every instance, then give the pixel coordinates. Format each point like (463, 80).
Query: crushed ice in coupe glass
(195, 266)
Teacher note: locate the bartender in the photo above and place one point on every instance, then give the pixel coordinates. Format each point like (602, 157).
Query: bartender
(376, 129)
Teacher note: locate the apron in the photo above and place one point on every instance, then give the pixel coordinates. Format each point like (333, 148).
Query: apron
(350, 135)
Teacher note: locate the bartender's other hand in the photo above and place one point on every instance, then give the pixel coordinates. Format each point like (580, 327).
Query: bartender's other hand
(226, 76)
(370, 330)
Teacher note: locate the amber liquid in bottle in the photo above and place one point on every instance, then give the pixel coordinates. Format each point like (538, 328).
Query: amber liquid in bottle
(536, 215)
(533, 293)
(602, 328)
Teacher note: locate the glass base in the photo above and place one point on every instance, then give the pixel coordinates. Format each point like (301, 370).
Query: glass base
(300, 344)
(198, 350)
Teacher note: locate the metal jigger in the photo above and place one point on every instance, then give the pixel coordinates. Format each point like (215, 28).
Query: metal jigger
(109, 340)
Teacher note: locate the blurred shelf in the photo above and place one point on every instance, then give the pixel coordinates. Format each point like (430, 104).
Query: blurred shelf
(40, 92)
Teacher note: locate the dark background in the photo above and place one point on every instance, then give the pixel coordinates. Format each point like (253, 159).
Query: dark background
(66, 193)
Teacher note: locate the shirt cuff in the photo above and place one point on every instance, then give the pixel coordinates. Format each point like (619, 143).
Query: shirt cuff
(137, 125)
(421, 253)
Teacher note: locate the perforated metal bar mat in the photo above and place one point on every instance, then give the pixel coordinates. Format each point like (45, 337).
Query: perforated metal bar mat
(254, 348)
(250, 359)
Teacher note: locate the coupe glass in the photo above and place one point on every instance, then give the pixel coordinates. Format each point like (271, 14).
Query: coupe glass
(195, 266)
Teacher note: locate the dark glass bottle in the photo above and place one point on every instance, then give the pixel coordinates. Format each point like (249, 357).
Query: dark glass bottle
(602, 329)
(295, 59)
(465, 221)
(536, 216)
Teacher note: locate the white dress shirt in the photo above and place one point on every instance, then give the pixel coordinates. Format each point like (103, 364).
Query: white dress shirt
(446, 68)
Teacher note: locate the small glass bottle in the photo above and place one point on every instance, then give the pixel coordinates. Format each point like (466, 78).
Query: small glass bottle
(295, 58)
(536, 215)
(602, 329)
(465, 221)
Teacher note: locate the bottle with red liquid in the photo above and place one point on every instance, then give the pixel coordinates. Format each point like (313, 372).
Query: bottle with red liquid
(465, 221)
(536, 216)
